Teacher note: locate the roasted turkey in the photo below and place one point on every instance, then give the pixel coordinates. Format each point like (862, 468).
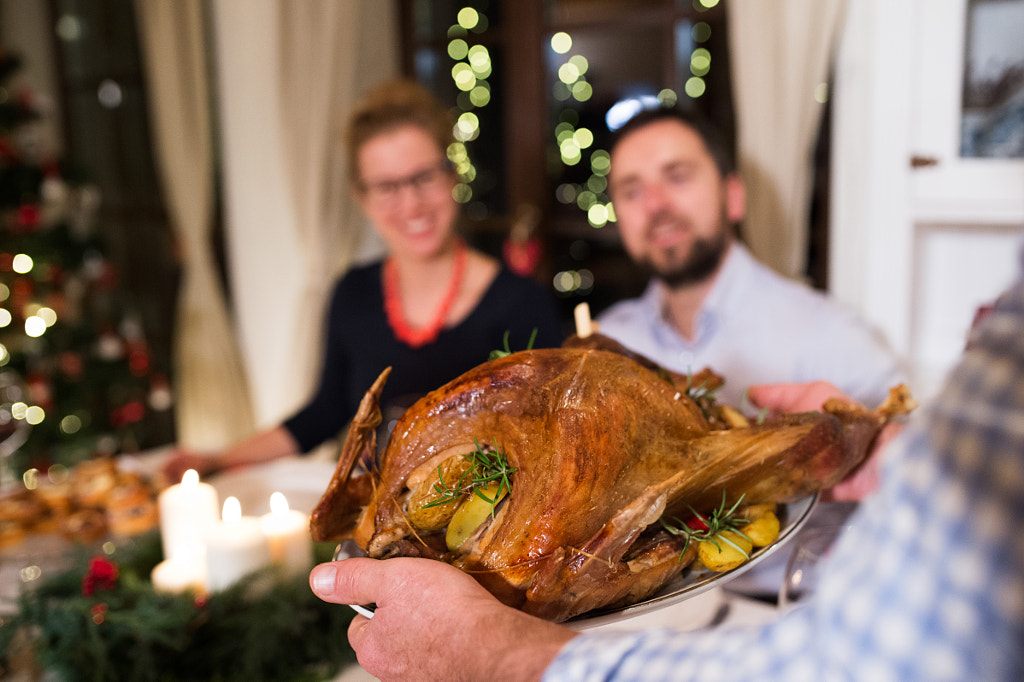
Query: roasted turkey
(596, 445)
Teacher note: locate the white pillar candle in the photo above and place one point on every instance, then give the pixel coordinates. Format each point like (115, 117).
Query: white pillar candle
(179, 574)
(235, 547)
(186, 510)
(287, 532)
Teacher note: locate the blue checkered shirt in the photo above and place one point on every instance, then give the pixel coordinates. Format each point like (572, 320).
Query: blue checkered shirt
(926, 583)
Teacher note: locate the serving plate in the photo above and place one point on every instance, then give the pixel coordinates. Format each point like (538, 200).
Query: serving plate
(689, 584)
(693, 582)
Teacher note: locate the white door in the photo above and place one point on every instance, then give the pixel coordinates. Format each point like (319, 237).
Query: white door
(926, 228)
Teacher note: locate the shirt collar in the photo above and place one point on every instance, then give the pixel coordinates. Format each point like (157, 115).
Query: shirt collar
(728, 284)
(724, 289)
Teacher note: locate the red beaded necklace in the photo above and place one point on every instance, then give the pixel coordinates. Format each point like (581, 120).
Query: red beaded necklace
(420, 336)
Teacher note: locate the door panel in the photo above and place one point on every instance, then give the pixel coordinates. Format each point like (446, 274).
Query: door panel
(922, 236)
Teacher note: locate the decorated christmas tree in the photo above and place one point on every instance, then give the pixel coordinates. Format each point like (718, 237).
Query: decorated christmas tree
(77, 379)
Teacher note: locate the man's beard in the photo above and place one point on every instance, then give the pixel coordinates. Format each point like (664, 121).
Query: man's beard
(706, 254)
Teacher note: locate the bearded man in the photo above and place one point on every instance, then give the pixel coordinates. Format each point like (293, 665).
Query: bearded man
(678, 200)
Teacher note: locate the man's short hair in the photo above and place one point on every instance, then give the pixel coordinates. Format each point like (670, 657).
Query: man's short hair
(721, 151)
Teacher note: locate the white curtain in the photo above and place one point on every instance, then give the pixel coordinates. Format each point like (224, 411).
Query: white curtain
(287, 75)
(780, 51)
(212, 401)
(320, 76)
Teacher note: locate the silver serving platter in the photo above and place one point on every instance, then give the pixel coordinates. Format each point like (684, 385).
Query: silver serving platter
(689, 584)
(692, 582)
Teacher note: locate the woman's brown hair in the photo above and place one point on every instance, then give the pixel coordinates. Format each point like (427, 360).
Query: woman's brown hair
(391, 105)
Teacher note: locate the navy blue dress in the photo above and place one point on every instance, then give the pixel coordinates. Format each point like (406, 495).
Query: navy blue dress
(360, 344)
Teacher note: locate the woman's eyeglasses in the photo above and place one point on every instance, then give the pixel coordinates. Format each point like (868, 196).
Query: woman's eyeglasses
(388, 191)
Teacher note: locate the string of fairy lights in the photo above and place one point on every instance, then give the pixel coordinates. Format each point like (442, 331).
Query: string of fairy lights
(472, 66)
(575, 142)
(470, 70)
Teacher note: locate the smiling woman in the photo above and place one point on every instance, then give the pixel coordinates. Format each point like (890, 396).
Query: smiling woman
(433, 308)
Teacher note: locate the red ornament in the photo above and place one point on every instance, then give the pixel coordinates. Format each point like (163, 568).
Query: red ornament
(522, 257)
(393, 303)
(51, 168)
(102, 575)
(131, 412)
(71, 364)
(28, 215)
(26, 98)
(138, 362)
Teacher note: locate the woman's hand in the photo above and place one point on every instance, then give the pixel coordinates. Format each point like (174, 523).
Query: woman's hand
(261, 447)
(181, 460)
(434, 622)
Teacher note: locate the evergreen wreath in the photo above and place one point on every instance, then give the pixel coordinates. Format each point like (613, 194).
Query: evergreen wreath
(102, 620)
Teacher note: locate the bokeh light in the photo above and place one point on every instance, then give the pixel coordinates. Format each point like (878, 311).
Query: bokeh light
(561, 42)
(458, 49)
(35, 326)
(700, 62)
(22, 264)
(821, 93)
(468, 18)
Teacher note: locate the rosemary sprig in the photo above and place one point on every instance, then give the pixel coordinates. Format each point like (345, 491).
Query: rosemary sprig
(746, 405)
(701, 391)
(708, 528)
(502, 353)
(702, 395)
(489, 464)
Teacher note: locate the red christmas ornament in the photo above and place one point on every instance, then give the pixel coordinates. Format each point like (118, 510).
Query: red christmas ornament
(102, 575)
(108, 278)
(138, 363)
(51, 168)
(28, 215)
(26, 98)
(71, 364)
(131, 412)
(522, 257)
(56, 275)
(39, 389)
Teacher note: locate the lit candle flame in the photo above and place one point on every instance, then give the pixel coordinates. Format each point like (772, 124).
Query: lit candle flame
(278, 503)
(190, 479)
(232, 512)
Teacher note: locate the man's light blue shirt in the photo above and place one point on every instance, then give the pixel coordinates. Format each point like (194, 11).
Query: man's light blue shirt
(758, 327)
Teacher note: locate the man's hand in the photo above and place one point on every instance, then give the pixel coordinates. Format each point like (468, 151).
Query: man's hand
(434, 622)
(795, 397)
